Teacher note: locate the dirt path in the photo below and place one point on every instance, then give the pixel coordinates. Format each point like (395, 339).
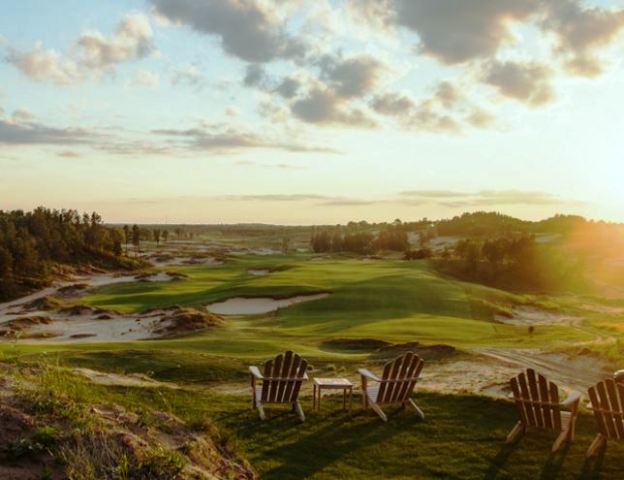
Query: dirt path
(571, 373)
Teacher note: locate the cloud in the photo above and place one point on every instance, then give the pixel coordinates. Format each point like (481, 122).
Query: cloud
(250, 30)
(324, 107)
(580, 32)
(225, 139)
(257, 77)
(352, 77)
(92, 54)
(30, 133)
(483, 198)
(68, 154)
(528, 82)
(23, 116)
(393, 104)
(456, 32)
(316, 199)
(146, 78)
(47, 66)
(444, 110)
(131, 40)
(189, 75)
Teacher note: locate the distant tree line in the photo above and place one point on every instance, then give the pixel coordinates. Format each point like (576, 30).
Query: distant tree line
(355, 238)
(511, 261)
(32, 242)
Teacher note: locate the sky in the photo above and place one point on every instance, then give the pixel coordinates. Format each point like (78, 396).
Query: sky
(312, 111)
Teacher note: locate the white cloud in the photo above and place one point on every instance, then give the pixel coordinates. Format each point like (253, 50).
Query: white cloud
(92, 54)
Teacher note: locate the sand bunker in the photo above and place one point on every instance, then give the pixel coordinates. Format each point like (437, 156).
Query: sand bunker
(259, 305)
(259, 272)
(535, 316)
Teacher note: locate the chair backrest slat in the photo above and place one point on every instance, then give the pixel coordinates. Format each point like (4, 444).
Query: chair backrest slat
(407, 370)
(605, 406)
(544, 394)
(554, 398)
(282, 378)
(616, 408)
(399, 378)
(607, 399)
(525, 400)
(537, 400)
(600, 417)
(534, 397)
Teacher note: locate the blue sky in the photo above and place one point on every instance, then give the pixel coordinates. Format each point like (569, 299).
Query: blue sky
(318, 111)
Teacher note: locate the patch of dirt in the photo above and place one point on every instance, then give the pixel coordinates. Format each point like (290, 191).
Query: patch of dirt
(182, 321)
(354, 344)
(426, 352)
(82, 310)
(118, 380)
(153, 444)
(43, 304)
(535, 316)
(577, 372)
(15, 327)
(72, 290)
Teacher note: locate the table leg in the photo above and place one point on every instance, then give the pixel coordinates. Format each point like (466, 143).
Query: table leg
(318, 402)
(344, 399)
(350, 400)
(314, 397)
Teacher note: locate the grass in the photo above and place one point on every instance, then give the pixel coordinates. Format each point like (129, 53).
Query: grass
(390, 300)
(461, 437)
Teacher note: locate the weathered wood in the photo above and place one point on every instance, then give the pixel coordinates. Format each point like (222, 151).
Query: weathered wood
(599, 442)
(538, 404)
(281, 381)
(607, 401)
(515, 433)
(396, 384)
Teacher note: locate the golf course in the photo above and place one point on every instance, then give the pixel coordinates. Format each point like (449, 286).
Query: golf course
(340, 312)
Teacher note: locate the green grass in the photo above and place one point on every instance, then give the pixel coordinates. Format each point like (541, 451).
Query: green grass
(461, 437)
(395, 301)
(390, 300)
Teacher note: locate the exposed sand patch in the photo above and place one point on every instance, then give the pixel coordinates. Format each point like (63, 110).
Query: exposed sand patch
(259, 305)
(113, 379)
(259, 272)
(570, 372)
(535, 316)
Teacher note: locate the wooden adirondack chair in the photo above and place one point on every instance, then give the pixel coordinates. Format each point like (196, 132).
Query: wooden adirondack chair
(395, 385)
(539, 406)
(280, 382)
(607, 401)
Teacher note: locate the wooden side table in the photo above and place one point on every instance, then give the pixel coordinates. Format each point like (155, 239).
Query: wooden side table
(332, 384)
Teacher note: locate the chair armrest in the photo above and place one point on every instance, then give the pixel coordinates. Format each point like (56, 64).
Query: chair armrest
(368, 374)
(572, 398)
(255, 371)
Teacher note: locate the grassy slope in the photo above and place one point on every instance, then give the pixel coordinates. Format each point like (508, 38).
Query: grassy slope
(460, 439)
(395, 301)
(391, 300)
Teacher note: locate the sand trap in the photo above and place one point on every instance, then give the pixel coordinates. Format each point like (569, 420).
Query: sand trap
(259, 272)
(535, 316)
(117, 380)
(259, 305)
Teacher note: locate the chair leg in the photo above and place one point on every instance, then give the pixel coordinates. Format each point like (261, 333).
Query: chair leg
(516, 433)
(599, 442)
(563, 437)
(261, 411)
(299, 410)
(378, 411)
(419, 412)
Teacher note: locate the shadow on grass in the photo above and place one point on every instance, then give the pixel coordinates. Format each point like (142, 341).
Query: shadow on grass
(592, 467)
